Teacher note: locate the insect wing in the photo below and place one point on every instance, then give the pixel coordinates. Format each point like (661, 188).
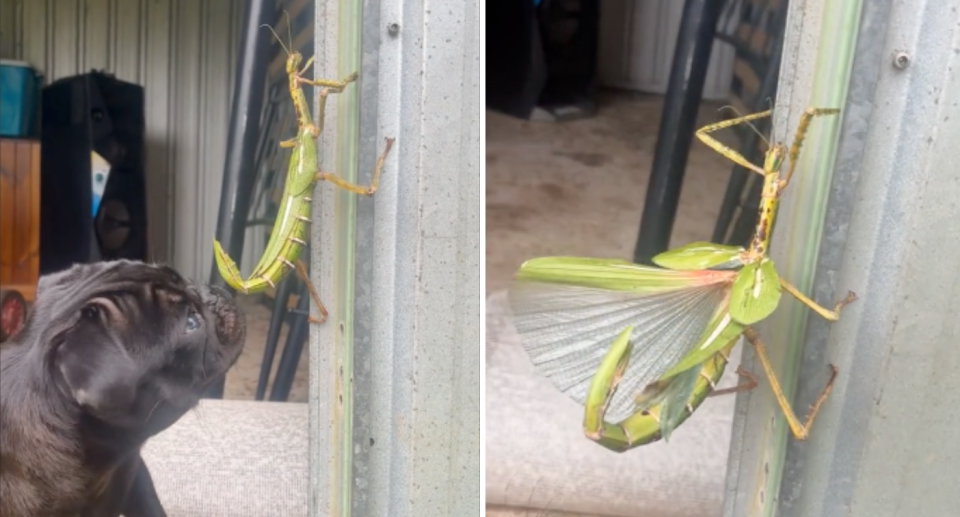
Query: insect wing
(701, 255)
(720, 332)
(568, 311)
(755, 293)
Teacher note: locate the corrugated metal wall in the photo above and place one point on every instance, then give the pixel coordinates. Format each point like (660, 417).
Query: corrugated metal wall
(395, 408)
(183, 52)
(7, 19)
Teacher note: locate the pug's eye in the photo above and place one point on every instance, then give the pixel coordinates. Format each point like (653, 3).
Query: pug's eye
(193, 320)
(90, 312)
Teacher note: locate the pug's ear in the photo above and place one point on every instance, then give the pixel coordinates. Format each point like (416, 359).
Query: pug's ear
(101, 377)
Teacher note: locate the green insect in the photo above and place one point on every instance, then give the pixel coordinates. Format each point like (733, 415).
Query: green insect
(671, 327)
(290, 230)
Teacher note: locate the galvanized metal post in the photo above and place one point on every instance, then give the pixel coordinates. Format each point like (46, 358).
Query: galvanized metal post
(238, 169)
(885, 227)
(394, 385)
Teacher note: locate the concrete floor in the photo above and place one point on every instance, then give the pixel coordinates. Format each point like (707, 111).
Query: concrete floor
(577, 188)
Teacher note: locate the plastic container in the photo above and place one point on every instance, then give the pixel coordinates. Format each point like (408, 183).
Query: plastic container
(19, 93)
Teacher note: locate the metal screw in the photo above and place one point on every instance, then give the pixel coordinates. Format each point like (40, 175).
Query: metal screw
(393, 28)
(901, 60)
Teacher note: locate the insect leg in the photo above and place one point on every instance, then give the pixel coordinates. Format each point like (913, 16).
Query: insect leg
(833, 315)
(751, 382)
(335, 85)
(798, 137)
(729, 153)
(321, 107)
(800, 431)
(301, 271)
(352, 187)
(329, 87)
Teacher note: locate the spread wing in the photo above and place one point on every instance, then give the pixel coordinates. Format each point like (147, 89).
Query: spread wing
(568, 311)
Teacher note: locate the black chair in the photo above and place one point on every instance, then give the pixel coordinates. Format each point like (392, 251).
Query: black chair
(298, 319)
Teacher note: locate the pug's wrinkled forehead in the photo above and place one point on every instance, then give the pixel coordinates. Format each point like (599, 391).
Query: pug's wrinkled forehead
(62, 295)
(102, 272)
(117, 274)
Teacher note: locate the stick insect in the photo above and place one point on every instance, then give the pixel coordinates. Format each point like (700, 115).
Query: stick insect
(290, 230)
(671, 327)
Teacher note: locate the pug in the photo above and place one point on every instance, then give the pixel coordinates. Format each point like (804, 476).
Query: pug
(112, 354)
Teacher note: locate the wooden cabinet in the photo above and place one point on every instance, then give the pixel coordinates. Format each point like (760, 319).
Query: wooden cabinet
(20, 215)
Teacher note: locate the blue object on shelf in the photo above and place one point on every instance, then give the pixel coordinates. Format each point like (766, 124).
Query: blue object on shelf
(19, 92)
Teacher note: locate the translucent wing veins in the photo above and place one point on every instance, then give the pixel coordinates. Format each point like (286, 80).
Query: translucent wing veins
(567, 328)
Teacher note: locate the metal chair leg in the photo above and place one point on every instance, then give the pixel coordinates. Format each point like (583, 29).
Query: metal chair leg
(290, 358)
(277, 317)
(688, 73)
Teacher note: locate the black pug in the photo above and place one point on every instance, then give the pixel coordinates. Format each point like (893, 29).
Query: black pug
(112, 354)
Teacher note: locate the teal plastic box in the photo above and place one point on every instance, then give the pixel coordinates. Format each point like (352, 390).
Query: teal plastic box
(19, 93)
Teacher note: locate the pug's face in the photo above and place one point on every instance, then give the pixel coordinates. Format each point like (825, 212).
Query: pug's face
(133, 345)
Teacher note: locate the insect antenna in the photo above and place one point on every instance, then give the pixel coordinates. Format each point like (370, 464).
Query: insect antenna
(770, 103)
(280, 41)
(752, 127)
(289, 28)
